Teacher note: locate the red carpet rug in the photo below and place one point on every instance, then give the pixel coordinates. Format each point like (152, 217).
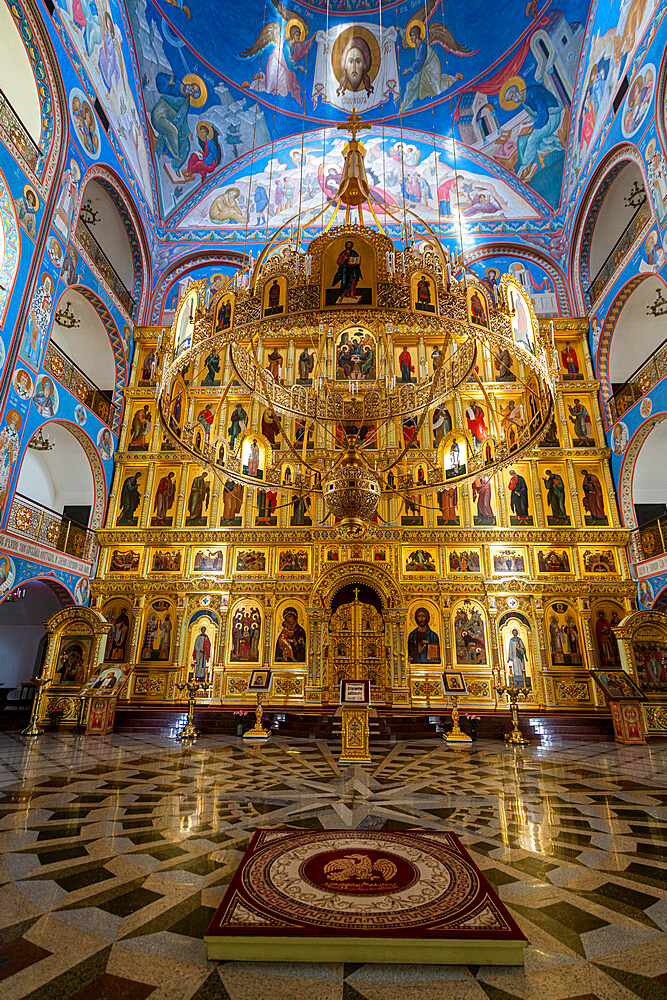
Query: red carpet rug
(362, 895)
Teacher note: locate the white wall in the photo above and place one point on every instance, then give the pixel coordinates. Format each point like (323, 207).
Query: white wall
(88, 345)
(614, 216)
(16, 77)
(110, 232)
(637, 333)
(58, 477)
(649, 480)
(21, 628)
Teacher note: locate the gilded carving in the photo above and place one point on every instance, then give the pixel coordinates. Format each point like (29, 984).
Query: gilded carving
(274, 585)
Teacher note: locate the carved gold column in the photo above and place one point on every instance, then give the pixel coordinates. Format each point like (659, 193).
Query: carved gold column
(422, 366)
(148, 493)
(134, 639)
(180, 660)
(214, 502)
(574, 493)
(180, 500)
(290, 361)
(268, 632)
(610, 492)
(502, 514)
(538, 505)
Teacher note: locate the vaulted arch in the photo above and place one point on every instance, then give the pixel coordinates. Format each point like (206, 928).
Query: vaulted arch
(33, 122)
(22, 632)
(111, 234)
(94, 348)
(333, 580)
(642, 475)
(521, 252)
(184, 266)
(630, 335)
(62, 477)
(615, 214)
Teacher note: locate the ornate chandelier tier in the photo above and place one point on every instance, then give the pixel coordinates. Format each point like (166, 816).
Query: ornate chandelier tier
(347, 300)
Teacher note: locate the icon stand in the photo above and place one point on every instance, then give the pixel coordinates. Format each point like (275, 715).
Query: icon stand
(259, 684)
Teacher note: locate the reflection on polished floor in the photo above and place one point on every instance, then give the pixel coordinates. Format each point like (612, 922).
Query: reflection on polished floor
(117, 851)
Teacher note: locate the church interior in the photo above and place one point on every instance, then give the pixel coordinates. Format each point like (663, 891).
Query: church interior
(333, 499)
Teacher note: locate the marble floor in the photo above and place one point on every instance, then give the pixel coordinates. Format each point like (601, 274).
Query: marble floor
(116, 852)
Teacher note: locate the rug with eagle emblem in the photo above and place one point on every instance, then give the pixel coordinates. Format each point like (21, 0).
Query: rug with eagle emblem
(362, 896)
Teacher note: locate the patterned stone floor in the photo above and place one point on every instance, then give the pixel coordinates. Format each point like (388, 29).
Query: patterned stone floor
(116, 852)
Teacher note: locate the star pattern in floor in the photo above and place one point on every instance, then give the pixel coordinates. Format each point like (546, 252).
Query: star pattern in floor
(116, 851)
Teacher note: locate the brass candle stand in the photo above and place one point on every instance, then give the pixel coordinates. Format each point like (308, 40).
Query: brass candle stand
(456, 734)
(189, 730)
(515, 695)
(258, 732)
(32, 729)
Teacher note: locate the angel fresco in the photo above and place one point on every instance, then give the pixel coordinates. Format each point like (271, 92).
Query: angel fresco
(426, 78)
(279, 77)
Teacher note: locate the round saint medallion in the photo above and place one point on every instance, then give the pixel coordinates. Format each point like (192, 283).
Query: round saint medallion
(360, 873)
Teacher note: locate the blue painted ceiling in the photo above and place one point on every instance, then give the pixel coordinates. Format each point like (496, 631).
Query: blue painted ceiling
(238, 104)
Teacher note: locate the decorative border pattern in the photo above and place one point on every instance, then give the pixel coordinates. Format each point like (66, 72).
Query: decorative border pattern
(661, 106)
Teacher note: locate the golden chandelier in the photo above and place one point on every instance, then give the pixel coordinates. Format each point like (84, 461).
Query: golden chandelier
(352, 408)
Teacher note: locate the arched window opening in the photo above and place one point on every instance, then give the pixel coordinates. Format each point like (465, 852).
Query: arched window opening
(55, 493)
(649, 492)
(637, 345)
(23, 636)
(660, 603)
(20, 106)
(360, 592)
(81, 356)
(618, 218)
(106, 234)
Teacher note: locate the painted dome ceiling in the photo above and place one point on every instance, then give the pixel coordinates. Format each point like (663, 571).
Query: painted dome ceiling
(239, 102)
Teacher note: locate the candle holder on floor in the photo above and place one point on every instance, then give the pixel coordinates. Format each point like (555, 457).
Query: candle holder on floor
(32, 729)
(194, 688)
(515, 695)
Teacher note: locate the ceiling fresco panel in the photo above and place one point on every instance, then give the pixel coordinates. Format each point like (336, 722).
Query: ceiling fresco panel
(220, 80)
(405, 172)
(95, 31)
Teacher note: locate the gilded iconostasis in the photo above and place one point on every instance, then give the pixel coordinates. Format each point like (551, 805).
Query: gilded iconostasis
(148, 154)
(209, 567)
